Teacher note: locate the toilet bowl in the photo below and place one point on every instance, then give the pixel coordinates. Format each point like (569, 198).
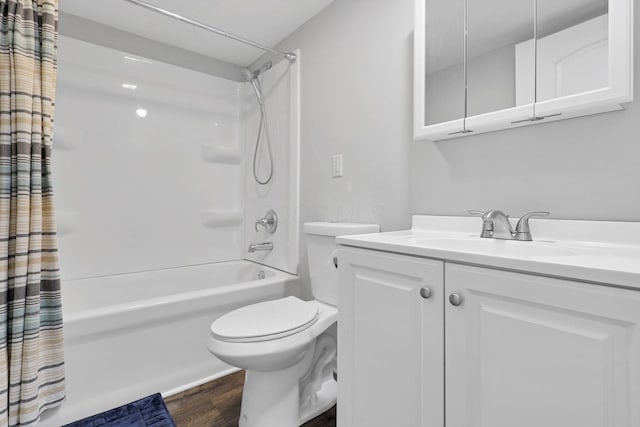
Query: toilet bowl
(276, 362)
(288, 346)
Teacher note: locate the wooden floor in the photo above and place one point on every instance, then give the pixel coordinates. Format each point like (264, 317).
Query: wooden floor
(217, 404)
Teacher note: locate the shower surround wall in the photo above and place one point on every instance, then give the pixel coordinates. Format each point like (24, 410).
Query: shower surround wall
(174, 187)
(155, 201)
(144, 193)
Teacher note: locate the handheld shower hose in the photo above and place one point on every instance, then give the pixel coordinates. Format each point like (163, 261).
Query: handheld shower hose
(252, 77)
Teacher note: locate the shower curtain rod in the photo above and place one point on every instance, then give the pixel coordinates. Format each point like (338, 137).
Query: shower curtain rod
(291, 57)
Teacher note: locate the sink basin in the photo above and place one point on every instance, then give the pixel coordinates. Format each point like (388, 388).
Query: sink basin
(496, 247)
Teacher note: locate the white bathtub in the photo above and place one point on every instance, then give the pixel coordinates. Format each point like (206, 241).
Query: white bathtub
(132, 335)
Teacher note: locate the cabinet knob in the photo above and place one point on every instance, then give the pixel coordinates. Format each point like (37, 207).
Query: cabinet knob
(425, 292)
(455, 300)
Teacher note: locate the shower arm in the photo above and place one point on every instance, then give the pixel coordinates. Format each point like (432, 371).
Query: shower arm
(289, 56)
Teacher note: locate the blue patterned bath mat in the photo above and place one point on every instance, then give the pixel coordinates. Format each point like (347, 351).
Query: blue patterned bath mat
(148, 412)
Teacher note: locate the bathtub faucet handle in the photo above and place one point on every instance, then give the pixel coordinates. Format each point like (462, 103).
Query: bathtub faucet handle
(269, 222)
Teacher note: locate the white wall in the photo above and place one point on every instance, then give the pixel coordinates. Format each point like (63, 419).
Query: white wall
(136, 194)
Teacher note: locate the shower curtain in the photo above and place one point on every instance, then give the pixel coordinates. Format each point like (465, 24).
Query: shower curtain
(31, 347)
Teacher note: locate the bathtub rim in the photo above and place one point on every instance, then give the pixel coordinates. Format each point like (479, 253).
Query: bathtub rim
(162, 301)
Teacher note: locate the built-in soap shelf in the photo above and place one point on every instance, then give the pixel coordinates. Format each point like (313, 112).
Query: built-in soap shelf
(218, 218)
(68, 222)
(221, 155)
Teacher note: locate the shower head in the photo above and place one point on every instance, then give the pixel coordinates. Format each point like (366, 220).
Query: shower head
(265, 67)
(249, 75)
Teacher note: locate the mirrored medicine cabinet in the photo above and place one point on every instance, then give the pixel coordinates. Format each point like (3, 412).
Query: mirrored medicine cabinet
(487, 65)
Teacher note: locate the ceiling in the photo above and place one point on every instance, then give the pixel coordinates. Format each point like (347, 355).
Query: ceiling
(265, 22)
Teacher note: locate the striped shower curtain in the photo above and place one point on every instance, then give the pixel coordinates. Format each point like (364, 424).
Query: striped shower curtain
(31, 347)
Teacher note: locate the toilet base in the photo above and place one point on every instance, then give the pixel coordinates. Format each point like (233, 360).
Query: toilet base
(272, 399)
(290, 397)
(326, 399)
(319, 386)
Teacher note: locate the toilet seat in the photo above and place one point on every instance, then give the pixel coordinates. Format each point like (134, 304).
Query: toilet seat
(265, 321)
(274, 353)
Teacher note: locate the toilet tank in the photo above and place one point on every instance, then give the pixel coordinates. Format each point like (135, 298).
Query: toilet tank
(321, 245)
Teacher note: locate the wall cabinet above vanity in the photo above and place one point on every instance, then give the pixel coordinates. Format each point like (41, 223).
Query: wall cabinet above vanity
(487, 65)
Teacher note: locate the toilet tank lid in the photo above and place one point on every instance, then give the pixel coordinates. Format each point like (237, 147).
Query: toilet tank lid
(339, 228)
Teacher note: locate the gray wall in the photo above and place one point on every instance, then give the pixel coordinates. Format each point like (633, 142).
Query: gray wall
(356, 82)
(357, 99)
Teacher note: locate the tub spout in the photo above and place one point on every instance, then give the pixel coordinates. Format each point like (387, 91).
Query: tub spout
(266, 246)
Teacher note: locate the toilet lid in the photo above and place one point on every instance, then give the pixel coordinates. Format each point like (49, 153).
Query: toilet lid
(265, 320)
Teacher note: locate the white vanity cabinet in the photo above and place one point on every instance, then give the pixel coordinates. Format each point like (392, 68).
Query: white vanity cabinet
(489, 348)
(390, 340)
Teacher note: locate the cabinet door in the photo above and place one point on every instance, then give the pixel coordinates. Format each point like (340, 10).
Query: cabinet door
(584, 56)
(390, 341)
(529, 351)
(493, 101)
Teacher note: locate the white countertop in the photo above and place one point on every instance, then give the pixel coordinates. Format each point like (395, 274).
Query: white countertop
(594, 251)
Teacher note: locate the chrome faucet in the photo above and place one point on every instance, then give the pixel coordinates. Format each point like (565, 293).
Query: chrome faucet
(496, 225)
(269, 222)
(266, 246)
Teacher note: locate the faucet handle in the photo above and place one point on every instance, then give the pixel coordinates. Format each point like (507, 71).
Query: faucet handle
(523, 223)
(487, 224)
(523, 232)
(474, 212)
(269, 222)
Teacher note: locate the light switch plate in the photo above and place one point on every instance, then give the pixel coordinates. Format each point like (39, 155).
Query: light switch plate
(336, 166)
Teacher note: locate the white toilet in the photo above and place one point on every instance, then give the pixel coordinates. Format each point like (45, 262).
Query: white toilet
(288, 346)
